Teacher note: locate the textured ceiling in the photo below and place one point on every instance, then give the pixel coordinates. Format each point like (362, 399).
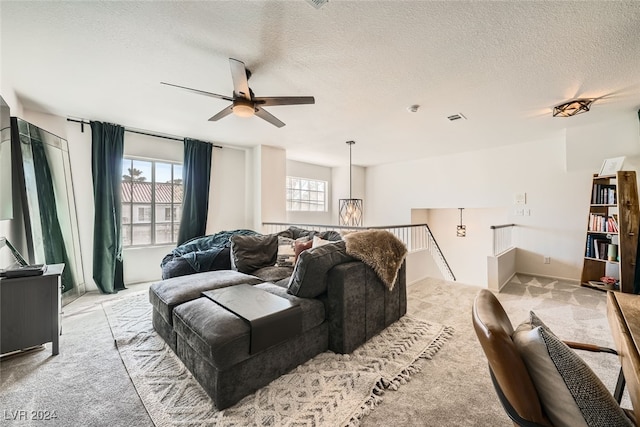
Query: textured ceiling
(503, 65)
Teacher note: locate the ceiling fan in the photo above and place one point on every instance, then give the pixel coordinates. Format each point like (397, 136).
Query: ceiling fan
(244, 104)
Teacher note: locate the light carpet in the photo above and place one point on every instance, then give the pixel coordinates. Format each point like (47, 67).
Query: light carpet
(328, 390)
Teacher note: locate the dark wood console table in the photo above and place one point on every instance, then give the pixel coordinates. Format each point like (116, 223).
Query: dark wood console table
(30, 311)
(623, 313)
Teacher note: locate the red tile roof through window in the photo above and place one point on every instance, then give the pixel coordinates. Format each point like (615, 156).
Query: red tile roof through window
(142, 192)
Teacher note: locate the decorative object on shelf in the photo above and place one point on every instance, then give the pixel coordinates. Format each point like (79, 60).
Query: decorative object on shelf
(610, 283)
(461, 230)
(350, 209)
(571, 108)
(612, 252)
(611, 166)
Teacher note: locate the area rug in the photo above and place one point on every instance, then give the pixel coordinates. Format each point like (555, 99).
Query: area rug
(328, 390)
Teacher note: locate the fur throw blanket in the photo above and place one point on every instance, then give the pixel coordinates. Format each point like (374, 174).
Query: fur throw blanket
(380, 250)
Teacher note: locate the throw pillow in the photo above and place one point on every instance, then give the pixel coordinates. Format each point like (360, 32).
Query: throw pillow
(319, 241)
(286, 252)
(570, 393)
(309, 278)
(300, 245)
(249, 253)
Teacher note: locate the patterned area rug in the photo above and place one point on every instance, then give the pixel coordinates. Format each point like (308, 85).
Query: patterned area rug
(328, 390)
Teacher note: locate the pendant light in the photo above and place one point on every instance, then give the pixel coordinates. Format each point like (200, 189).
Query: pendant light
(350, 209)
(461, 230)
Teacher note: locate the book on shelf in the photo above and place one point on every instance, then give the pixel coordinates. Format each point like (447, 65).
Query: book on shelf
(599, 222)
(597, 246)
(600, 247)
(603, 194)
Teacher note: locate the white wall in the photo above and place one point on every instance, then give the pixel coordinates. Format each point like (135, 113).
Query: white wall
(270, 169)
(467, 256)
(228, 191)
(554, 173)
(320, 173)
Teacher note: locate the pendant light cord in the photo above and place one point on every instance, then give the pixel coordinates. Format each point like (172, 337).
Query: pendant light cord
(350, 166)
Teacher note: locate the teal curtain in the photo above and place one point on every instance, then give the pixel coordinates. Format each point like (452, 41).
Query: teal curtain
(196, 171)
(55, 251)
(107, 150)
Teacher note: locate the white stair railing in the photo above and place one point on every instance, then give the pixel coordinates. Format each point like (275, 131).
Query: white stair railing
(502, 238)
(416, 237)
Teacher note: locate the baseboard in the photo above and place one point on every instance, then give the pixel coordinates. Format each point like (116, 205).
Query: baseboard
(565, 279)
(506, 281)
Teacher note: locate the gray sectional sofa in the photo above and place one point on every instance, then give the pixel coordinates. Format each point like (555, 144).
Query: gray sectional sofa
(340, 303)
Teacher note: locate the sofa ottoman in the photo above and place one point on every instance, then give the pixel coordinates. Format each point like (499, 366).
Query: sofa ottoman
(168, 294)
(215, 345)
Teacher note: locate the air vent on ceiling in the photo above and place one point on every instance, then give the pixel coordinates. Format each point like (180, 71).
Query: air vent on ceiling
(454, 117)
(317, 3)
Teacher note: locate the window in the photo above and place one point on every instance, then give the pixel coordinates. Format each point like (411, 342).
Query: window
(306, 194)
(151, 202)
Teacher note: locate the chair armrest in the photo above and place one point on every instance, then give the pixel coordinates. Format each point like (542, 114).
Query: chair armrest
(590, 347)
(617, 394)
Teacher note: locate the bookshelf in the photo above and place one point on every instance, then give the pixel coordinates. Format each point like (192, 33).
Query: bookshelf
(611, 240)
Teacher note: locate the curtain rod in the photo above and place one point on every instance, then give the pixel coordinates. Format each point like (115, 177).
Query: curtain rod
(174, 138)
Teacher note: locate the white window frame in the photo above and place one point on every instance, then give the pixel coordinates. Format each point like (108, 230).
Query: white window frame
(152, 223)
(302, 194)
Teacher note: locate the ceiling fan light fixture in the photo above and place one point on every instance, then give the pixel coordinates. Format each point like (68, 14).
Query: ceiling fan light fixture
(571, 108)
(242, 109)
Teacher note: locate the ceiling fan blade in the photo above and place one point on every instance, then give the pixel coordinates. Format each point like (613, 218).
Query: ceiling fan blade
(221, 114)
(201, 92)
(285, 100)
(240, 81)
(263, 114)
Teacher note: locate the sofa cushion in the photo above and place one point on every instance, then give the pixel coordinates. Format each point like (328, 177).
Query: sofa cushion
(313, 312)
(167, 294)
(330, 235)
(223, 338)
(309, 278)
(249, 253)
(570, 393)
(273, 273)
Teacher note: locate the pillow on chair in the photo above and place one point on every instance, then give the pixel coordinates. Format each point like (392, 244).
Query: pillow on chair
(570, 393)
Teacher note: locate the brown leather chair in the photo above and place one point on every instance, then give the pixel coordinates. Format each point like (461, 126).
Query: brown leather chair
(510, 377)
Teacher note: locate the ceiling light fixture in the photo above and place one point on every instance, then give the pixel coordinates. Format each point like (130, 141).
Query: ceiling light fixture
(458, 116)
(350, 211)
(461, 230)
(571, 108)
(243, 109)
